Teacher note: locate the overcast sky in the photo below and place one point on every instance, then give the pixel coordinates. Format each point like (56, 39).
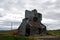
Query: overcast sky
(13, 11)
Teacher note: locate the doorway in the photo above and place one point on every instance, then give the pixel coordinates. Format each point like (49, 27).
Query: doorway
(27, 33)
(39, 30)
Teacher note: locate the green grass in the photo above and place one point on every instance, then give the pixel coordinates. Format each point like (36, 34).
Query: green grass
(7, 35)
(54, 32)
(13, 38)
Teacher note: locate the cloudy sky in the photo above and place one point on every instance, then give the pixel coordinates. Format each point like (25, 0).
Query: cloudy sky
(13, 11)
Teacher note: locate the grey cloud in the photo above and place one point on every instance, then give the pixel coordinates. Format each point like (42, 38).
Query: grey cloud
(1, 15)
(22, 5)
(52, 15)
(6, 28)
(8, 23)
(7, 4)
(53, 26)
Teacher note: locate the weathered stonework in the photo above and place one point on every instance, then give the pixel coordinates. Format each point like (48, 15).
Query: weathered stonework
(31, 24)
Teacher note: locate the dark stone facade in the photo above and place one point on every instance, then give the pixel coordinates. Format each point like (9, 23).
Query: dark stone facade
(31, 24)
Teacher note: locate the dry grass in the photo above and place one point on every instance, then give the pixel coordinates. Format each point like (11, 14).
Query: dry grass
(9, 34)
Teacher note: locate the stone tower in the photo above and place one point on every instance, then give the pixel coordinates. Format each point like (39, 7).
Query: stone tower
(31, 24)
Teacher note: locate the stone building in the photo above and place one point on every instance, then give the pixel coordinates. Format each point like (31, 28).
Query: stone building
(31, 24)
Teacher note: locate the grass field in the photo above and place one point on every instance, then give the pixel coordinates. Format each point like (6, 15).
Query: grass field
(8, 35)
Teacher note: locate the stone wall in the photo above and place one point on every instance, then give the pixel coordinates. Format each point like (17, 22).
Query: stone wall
(31, 24)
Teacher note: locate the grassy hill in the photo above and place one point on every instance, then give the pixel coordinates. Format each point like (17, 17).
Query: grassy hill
(54, 32)
(8, 35)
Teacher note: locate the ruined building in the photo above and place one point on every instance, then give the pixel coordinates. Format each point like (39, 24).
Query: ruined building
(31, 24)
